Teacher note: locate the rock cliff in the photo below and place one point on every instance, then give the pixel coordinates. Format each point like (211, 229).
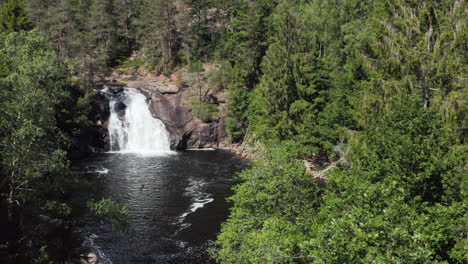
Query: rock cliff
(171, 100)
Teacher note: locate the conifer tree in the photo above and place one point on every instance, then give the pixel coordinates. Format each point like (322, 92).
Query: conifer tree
(293, 77)
(413, 51)
(158, 32)
(102, 34)
(61, 26)
(245, 47)
(13, 17)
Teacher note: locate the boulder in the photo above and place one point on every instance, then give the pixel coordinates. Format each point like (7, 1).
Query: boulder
(169, 89)
(163, 88)
(188, 77)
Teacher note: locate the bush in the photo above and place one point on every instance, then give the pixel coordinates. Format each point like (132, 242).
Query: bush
(266, 224)
(108, 211)
(205, 111)
(220, 77)
(195, 66)
(131, 65)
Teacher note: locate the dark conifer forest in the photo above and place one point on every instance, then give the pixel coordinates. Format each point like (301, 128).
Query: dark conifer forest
(356, 109)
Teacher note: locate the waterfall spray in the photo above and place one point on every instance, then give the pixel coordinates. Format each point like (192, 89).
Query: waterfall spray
(137, 130)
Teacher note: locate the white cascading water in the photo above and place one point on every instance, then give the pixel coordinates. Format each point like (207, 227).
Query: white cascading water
(137, 131)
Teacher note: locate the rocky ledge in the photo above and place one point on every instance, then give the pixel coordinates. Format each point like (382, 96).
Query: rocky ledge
(171, 100)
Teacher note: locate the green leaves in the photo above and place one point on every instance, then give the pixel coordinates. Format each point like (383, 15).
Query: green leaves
(386, 206)
(266, 222)
(110, 212)
(205, 111)
(33, 166)
(399, 201)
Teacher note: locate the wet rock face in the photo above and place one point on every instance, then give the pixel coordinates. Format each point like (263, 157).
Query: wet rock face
(185, 130)
(169, 99)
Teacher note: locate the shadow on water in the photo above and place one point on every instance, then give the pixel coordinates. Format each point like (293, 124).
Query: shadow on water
(176, 203)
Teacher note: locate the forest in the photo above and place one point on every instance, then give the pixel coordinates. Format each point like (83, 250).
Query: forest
(356, 108)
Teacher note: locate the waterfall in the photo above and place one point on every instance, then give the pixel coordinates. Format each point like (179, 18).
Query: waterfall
(135, 130)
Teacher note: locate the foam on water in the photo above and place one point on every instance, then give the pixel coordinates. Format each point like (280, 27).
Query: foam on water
(90, 242)
(94, 171)
(199, 198)
(201, 149)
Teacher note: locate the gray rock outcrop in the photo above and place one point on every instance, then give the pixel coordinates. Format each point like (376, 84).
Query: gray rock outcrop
(170, 100)
(186, 130)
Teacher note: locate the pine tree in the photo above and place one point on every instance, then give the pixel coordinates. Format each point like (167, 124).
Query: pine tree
(415, 49)
(102, 35)
(244, 46)
(60, 26)
(13, 17)
(289, 90)
(158, 32)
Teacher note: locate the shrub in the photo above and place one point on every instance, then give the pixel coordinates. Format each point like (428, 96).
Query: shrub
(220, 77)
(195, 66)
(205, 111)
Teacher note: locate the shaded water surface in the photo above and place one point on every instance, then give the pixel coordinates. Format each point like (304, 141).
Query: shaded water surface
(176, 202)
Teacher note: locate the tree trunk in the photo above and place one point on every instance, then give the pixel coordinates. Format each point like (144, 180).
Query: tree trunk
(11, 198)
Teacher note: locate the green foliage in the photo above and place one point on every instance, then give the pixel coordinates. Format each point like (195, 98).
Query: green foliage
(158, 33)
(103, 33)
(38, 111)
(291, 88)
(238, 104)
(195, 66)
(356, 72)
(205, 111)
(43, 257)
(13, 17)
(393, 205)
(220, 77)
(266, 224)
(110, 212)
(245, 45)
(33, 165)
(75, 113)
(131, 65)
(412, 48)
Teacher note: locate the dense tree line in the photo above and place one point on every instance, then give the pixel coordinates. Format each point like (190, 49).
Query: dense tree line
(370, 94)
(41, 108)
(99, 34)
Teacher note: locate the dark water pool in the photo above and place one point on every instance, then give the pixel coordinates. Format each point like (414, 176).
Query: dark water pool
(176, 202)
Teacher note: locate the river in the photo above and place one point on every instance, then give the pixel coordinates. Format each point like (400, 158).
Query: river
(176, 203)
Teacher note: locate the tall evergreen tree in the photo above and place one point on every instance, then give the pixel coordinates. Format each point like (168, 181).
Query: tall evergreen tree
(413, 51)
(61, 26)
(289, 89)
(245, 45)
(158, 33)
(102, 34)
